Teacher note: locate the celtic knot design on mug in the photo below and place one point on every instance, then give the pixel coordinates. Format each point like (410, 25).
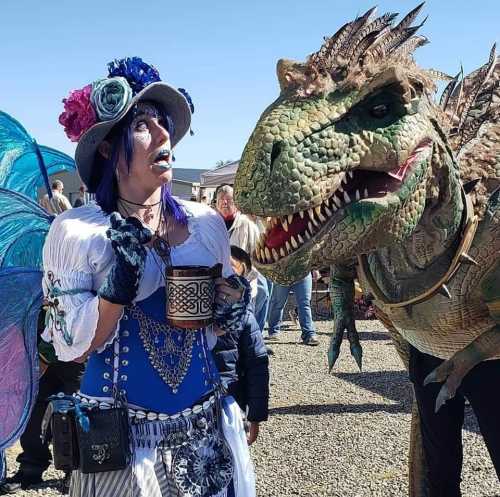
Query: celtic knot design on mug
(190, 293)
(192, 299)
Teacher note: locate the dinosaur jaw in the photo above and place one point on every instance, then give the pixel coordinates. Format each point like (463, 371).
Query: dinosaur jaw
(286, 236)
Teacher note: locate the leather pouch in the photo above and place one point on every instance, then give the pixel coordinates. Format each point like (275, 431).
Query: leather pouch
(106, 444)
(62, 425)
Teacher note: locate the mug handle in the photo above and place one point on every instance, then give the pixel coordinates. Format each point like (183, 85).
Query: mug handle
(216, 270)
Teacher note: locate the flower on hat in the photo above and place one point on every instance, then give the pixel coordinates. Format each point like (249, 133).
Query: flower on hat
(78, 115)
(135, 71)
(110, 97)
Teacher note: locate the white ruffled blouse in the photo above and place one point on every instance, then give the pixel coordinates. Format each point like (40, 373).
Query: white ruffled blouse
(79, 255)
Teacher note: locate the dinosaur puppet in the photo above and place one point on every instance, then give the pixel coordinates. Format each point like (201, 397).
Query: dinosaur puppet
(359, 168)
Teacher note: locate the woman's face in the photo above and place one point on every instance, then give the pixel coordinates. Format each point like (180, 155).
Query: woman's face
(151, 164)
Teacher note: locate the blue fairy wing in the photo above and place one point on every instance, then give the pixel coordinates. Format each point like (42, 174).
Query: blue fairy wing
(24, 165)
(23, 228)
(19, 309)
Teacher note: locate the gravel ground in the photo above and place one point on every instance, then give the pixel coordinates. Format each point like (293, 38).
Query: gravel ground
(339, 435)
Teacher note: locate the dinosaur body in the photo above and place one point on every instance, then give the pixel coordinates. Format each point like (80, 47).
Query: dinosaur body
(359, 168)
(443, 324)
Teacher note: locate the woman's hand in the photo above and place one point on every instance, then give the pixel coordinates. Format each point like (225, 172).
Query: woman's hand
(232, 296)
(225, 293)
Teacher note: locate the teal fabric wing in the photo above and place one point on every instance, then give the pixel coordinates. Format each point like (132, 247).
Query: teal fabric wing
(24, 165)
(23, 228)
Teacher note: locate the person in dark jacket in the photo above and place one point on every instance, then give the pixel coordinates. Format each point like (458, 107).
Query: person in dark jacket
(242, 361)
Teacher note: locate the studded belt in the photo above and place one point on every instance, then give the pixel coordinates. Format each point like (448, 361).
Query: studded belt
(140, 414)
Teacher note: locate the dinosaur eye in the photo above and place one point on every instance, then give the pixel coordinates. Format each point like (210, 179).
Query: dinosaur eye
(379, 110)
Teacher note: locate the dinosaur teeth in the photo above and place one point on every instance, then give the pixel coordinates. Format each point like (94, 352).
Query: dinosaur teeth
(365, 193)
(295, 245)
(337, 201)
(290, 218)
(301, 240)
(288, 246)
(282, 252)
(351, 174)
(328, 211)
(267, 253)
(307, 234)
(301, 214)
(347, 199)
(284, 223)
(275, 255)
(310, 227)
(259, 254)
(358, 196)
(321, 217)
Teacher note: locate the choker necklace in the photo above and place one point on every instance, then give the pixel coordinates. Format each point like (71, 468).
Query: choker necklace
(140, 205)
(148, 214)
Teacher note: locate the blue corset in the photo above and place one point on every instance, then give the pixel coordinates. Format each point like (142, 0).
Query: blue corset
(140, 372)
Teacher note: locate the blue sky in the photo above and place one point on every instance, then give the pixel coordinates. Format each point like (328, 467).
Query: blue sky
(223, 52)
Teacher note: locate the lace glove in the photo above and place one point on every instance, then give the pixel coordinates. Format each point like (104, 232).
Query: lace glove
(128, 237)
(229, 316)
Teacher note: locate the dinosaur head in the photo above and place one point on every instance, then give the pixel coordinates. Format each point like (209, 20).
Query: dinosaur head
(339, 162)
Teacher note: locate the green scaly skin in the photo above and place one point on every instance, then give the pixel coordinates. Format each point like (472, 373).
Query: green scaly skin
(293, 164)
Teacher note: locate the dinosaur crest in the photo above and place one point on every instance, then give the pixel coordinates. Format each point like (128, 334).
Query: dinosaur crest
(471, 107)
(359, 49)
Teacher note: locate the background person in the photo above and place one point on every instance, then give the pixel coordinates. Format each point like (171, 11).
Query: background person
(58, 203)
(82, 198)
(244, 233)
(243, 362)
(302, 290)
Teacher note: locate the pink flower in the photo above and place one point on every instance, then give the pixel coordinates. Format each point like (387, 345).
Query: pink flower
(78, 115)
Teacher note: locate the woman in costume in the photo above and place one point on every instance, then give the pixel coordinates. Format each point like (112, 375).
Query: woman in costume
(104, 266)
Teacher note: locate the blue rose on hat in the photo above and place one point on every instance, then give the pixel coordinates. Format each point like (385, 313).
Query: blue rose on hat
(110, 97)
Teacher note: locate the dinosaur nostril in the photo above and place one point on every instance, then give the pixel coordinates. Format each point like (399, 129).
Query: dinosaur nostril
(277, 148)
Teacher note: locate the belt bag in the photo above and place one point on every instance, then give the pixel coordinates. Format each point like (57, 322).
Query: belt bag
(86, 437)
(60, 417)
(106, 444)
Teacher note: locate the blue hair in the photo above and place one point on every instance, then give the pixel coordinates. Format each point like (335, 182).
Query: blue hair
(104, 181)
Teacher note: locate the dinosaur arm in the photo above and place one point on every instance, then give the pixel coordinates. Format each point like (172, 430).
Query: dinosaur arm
(342, 291)
(342, 297)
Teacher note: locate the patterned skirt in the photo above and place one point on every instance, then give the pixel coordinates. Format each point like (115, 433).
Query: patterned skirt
(153, 470)
(157, 482)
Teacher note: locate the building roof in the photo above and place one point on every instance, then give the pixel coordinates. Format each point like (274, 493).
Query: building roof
(186, 174)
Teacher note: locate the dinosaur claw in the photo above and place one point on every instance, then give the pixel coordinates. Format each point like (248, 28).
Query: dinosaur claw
(357, 353)
(431, 378)
(333, 354)
(443, 396)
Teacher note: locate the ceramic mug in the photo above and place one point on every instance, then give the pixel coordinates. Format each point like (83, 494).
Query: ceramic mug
(190, 292)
